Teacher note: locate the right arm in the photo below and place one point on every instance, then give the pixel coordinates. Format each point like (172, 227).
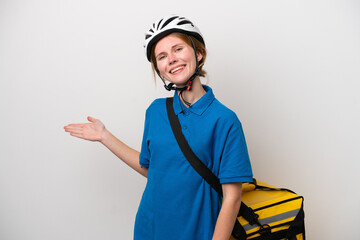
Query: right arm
(127, 154)
(96, 131)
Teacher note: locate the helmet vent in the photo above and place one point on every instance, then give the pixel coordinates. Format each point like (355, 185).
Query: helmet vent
(159, 24)
(185, 22)
(168, 21)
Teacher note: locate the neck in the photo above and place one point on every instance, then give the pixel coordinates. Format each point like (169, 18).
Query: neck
(196, 92)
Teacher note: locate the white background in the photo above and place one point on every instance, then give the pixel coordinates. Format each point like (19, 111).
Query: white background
(289, 69)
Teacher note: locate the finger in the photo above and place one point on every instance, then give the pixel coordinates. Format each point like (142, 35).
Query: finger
(74, 129)
(79, 125)
(77, 135)
(69, 127)
(91, 119)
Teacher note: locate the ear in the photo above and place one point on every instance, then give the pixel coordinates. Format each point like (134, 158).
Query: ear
(199, 55)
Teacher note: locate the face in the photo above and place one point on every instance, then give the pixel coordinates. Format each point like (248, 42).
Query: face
(175, 59)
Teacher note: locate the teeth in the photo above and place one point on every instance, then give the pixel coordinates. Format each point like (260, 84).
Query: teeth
(176, 69)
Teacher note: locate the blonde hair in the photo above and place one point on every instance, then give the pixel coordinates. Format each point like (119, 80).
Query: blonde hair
(199, 48)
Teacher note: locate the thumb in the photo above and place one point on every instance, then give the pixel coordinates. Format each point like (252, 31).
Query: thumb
(91, 119)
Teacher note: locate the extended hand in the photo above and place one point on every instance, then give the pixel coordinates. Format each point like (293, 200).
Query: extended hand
(92, 131)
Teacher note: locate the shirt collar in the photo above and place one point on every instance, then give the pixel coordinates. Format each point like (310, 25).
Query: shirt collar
(199, 106)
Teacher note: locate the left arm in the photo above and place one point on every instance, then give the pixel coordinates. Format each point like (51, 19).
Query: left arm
(229, 210)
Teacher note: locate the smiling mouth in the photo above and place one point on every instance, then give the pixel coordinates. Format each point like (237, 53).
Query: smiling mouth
(177, 69)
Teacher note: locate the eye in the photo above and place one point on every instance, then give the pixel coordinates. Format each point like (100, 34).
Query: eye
(178, 49)
(161, 57)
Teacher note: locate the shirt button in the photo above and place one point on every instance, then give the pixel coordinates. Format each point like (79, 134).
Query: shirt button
(184, 127)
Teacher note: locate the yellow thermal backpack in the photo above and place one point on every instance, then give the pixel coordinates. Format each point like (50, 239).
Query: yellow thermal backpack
(269, 213)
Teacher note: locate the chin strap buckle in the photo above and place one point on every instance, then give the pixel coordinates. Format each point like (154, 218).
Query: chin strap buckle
(189, 87)
(169, 87)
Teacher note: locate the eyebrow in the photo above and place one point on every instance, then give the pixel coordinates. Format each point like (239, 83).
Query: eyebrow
(175, 46)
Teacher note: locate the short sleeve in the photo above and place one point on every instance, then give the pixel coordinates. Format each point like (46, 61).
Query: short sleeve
(235, 163)
(145, 151)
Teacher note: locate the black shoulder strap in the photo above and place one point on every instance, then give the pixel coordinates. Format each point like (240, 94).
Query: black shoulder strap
(194, 161)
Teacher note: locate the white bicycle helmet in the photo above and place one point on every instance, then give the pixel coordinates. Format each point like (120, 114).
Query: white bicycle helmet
(167, 25)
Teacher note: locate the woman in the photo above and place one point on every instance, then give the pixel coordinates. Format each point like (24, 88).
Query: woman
(177, 202)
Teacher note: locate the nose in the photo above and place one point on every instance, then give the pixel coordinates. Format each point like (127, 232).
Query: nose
(171, 58)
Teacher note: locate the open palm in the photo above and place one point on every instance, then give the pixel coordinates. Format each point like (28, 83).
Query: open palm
(92, 131)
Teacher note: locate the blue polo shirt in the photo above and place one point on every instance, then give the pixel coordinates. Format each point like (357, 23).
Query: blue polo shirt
(177, 202)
